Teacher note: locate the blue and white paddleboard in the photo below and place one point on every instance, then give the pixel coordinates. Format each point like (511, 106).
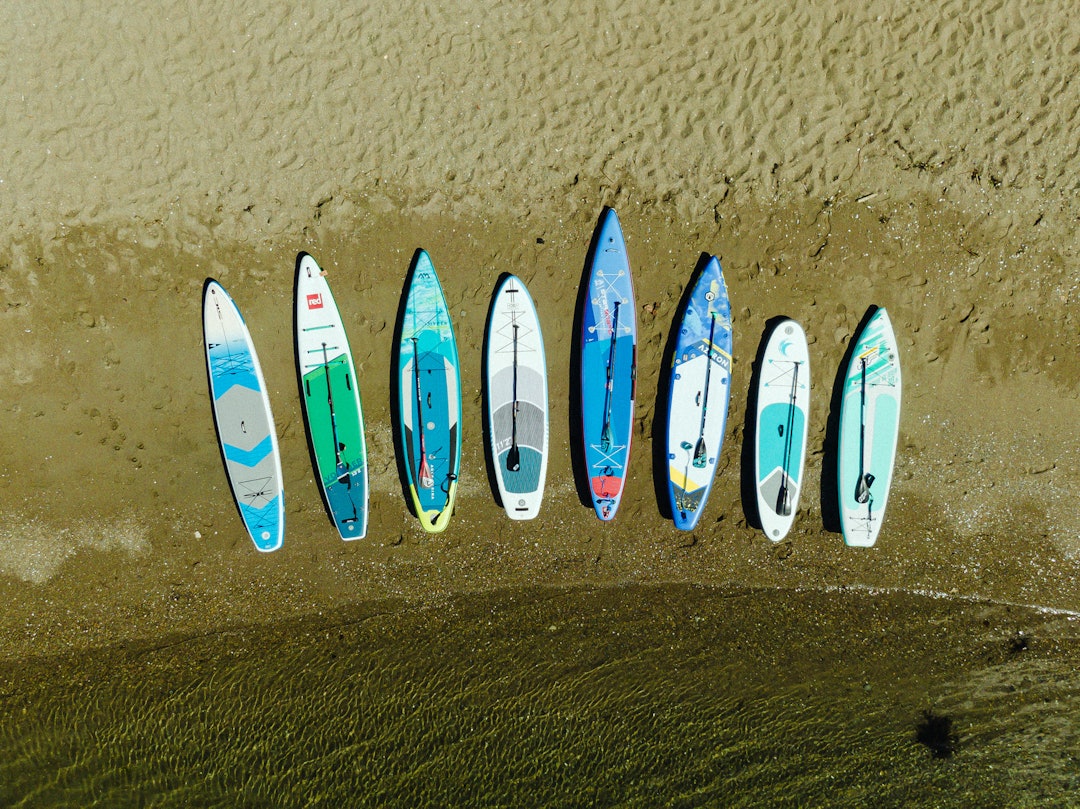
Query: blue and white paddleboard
(245, 426)
(429, 395)
(608, 367)
(699, 395)
(330, 394)
(783, 411)
(517, 398)
(869, 429)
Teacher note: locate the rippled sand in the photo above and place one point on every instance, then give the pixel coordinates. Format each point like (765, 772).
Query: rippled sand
(834, 157)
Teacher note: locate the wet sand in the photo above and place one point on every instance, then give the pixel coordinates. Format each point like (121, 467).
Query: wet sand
(833, 158)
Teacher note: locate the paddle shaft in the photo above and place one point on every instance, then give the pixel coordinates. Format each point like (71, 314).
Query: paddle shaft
(513, 457)
(333, 415)
(782, 506)
(605, 432)
(699, 450)
(424, 472)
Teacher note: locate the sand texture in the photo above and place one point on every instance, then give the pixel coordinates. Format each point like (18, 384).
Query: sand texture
(833, 155)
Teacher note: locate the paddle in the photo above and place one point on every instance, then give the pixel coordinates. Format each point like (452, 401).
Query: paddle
(342, 467)
(425, 478)
(701, 452)
(783, 502)
(513, 457)
(866, 480)
(606, 437)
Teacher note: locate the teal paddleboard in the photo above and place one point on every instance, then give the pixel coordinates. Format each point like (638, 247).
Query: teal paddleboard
(429, 396)
(869, 429)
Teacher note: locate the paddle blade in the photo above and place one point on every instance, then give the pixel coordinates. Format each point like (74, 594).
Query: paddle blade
(513, 459)
(862, 488)
(701, 454)
(783, 501)
(426, 479)
(606, 438)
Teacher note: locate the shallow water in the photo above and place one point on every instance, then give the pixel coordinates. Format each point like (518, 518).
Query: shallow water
(636, 696)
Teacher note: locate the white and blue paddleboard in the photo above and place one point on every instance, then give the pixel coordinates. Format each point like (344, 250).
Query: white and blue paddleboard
(245, 426)
(608, 367)
(517, 398)
(429, 396)
(869, 429)
(330, 394)
(783, 410)
(699, 395)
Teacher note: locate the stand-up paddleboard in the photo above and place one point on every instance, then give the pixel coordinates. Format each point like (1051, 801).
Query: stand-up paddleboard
(517, 399)
(429, 397)
(783, 410)
(869, 428)
(608, 367)
(699, 395)
(245, 427)
(330, 393)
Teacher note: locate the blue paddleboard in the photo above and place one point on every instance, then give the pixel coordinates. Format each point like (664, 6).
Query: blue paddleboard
(608, 367)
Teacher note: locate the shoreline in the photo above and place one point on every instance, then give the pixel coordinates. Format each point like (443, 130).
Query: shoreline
(137, 568)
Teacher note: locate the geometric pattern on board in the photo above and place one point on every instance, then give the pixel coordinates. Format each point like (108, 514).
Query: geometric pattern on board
(245, 428)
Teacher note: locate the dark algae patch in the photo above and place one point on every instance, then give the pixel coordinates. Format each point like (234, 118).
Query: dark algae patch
(935, 732)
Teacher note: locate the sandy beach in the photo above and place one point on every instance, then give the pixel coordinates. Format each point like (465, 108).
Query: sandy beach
(834, 157)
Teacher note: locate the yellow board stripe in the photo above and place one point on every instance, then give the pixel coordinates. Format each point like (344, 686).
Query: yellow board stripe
(679, 478)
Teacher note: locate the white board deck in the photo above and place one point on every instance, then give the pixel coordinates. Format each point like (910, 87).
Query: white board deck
(517, 394)
(783, 410)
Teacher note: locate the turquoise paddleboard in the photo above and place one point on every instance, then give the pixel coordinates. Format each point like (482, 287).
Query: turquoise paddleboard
(330, 394)
(608, 367)
(783, 410)
(429, 396)
(869, 428)
(245, 426)
(699, 394)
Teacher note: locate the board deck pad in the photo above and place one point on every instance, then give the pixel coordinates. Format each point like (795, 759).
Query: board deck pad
(608, 367)
(330, 394)
(783, 408)
(517, 396)
(429, 397)
(242, 418)
(699, 394)
(869, 429)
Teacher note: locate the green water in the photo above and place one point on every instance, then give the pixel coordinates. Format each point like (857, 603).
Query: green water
(670, 696)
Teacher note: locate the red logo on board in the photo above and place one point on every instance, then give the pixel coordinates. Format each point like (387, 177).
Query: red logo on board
(314, 301)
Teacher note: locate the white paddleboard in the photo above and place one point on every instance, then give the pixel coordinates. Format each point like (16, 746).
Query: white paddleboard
(783, 410)
(699, 395)
(245, 426)
(517, 399)
(869, 429)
